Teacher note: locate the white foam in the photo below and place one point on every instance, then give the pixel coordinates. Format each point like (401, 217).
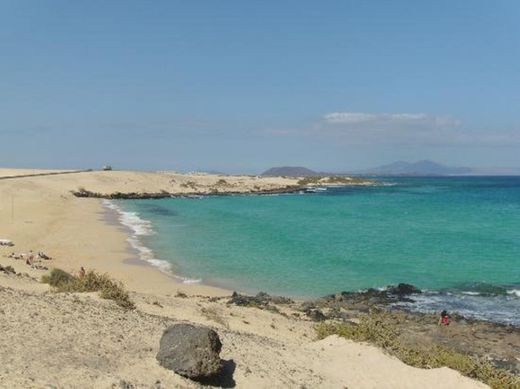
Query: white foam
(186, 280)
(514, 292)
(138, 227)
(497, 308)
(131, 220)
(471, 293)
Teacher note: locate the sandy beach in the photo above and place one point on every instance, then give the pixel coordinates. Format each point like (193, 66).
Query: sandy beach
(79, 340)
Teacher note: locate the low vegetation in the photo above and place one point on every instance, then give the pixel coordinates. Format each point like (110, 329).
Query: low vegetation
(379, 330)
(221, 182)
(92, 281)
(189, 184)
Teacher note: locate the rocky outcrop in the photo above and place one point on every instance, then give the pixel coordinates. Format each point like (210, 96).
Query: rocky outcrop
(342, 304)
(262, 299)
(403, 290)
(120, 195)
(391, 294)
(315, 314)
(191, 351)
(164, 194)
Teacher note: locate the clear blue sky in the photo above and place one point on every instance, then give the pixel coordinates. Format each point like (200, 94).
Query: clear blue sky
(241, 86)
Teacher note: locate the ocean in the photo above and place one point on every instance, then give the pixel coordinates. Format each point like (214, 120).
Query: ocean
(456, 238)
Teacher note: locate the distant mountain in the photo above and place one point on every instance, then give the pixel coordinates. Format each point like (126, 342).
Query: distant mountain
(290, 171)
(420, 168)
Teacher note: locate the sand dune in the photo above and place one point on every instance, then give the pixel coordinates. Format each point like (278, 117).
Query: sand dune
(81, 341)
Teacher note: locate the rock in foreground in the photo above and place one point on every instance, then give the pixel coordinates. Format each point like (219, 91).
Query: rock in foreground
(191, 351)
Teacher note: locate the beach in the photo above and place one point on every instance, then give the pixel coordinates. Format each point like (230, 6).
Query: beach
(80, 340)
(41, 214)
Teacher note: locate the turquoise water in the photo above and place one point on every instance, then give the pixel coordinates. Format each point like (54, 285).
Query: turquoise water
(437, 233)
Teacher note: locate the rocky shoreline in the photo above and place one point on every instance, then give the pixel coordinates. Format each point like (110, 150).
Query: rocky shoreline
(82, 193)
(495, 342)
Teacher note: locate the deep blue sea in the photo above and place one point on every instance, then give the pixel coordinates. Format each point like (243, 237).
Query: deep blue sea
(457, 238)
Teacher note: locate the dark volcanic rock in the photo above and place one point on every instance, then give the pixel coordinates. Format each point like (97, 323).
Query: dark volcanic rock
(196, 193)
(365, 300)
(404, 290)
(191, 351)
(261, 300)
(273, 299)
(315, 315)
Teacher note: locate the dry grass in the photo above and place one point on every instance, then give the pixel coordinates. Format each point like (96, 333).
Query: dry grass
(213, 315)
(379, 330)
(108, 288)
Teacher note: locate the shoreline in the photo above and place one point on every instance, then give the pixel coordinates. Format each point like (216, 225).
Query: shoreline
(427, 302)
(81, 329)
(136, 251)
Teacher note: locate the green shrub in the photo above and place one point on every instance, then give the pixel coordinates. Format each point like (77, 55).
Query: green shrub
(110, 289)
(117, 292)
(380, 330)
(58, 278)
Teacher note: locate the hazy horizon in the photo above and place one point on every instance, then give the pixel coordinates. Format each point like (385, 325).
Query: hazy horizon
(241, 87)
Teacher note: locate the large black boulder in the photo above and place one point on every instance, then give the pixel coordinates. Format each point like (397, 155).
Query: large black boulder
(191, 351)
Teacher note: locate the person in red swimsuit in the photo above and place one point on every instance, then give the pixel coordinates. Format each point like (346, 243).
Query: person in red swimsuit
(445, 319)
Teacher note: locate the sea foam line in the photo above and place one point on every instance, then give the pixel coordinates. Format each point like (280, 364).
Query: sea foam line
(140, 227)
(514, 292)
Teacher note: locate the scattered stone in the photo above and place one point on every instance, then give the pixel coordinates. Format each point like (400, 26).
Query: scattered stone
(316, 315)
(191, 351)
(125, 385)
(273, 299)
(306, 305)
(7, 269)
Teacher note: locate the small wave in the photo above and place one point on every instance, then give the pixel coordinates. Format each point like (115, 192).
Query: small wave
(139, 227)
(514, 292)
(480, 288)
(496, 308)
(471, 293)
(186, 280)
(131, 220)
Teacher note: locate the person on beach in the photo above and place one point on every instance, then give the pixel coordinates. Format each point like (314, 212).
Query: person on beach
(42, 255)
(82, 272)
(444, 319)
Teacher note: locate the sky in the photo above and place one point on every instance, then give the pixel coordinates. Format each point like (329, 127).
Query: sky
(241, 86)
